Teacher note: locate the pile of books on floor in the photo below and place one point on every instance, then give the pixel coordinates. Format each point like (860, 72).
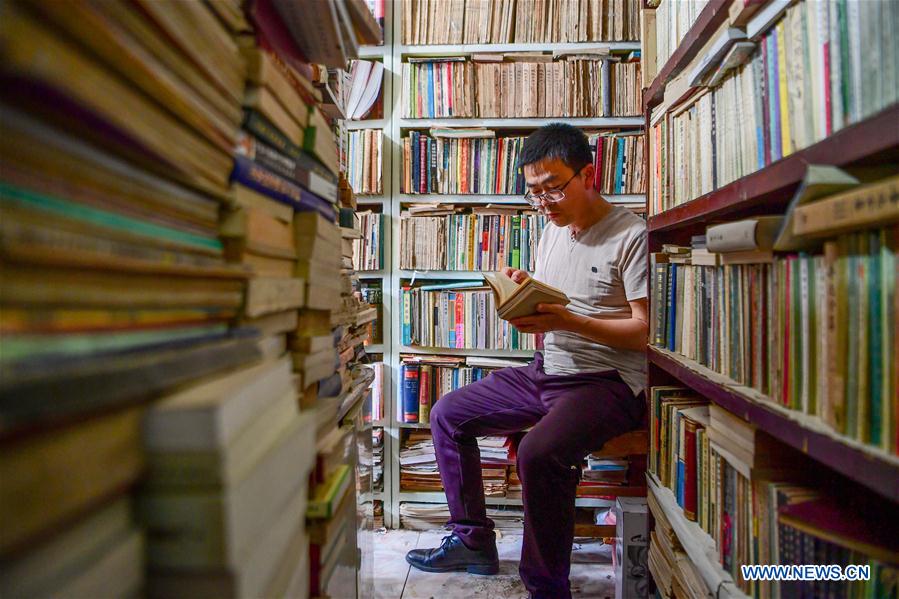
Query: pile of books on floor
(815, 329)
(618, 159)
(478, 238)
(430, 516)
(364, 161)
(468, 161)
(368, 251)
(520, 21)
(419, 471)
(673, 571)
(726, 475)
(457, 315)
(425, 379)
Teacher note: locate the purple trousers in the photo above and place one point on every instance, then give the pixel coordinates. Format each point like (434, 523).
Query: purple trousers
(571, 416)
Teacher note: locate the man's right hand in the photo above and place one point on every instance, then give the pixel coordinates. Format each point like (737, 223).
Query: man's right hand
(519, 276)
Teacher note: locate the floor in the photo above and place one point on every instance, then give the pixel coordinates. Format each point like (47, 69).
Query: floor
(591, 570)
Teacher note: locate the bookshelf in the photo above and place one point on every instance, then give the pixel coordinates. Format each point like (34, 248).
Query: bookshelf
(846, 461)
(392, 202)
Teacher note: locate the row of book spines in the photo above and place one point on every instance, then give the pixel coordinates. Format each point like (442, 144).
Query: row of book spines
(457, 333)
(494, 241)
(470, 161)
(818, 307)
(617, 147)
(424, 384)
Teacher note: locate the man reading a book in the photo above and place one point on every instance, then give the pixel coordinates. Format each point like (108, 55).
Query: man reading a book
(584, 389)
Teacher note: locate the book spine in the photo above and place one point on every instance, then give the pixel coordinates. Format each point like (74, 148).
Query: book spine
(460, 320)
(411, 402)
(278, 188)
(424, 393)
(515, 261)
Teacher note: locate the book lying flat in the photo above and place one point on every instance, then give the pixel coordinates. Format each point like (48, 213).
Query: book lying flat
(514, 300)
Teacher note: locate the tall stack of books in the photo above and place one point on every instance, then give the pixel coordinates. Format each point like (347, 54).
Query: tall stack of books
(114, 285)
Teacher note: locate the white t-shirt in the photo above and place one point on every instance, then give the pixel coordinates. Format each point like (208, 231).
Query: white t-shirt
(600, 271)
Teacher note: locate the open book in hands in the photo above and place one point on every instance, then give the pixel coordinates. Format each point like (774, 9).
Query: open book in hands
(514, 300)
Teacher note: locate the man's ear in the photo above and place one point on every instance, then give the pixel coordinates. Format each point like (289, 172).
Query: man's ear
(589, 173)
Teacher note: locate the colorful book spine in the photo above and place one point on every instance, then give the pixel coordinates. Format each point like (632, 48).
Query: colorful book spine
(278, 188)
(425, 391)
(411, 389)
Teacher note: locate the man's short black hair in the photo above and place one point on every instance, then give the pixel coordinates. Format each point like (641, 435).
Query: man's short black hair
(557, 140)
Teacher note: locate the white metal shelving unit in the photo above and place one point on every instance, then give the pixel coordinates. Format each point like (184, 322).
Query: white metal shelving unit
(394, 126)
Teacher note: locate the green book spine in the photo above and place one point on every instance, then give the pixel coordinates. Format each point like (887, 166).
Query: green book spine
(515, 261)
(875, 339)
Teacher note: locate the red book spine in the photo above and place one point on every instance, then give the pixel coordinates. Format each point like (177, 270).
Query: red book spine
(424, 395)
(422, 169)
(597, 165)
(690, 482)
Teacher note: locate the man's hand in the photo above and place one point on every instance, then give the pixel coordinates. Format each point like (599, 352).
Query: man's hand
(518, 276)
(549, 317)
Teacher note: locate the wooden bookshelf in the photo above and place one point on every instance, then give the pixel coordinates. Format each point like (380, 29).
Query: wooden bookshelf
(875, 139)
(865, 464)
(708, 22)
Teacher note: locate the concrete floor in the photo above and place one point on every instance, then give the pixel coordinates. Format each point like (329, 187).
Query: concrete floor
(591, 570)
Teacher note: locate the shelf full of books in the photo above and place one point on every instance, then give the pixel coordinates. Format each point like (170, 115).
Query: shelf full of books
(772, 157)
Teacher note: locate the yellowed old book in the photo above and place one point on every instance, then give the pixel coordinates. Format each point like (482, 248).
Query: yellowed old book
(786, 137)
(264, 100)
(875, 204)
(50, 477)
(266, 295)
(313, 322)
(243, 196)
(262, 71)
(31, 50)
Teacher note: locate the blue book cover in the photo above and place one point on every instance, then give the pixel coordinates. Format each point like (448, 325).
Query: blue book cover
(248, 173)
(454, 285)
(619, 166)
(672, 307)
(431, 108)
(774, 98)
(410, 374)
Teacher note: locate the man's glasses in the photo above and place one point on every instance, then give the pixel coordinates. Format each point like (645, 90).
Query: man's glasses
(551, 196)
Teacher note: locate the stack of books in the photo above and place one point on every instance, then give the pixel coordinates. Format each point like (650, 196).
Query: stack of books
(227, 486)
(674, 572)
(425, 379)
(520, 21)
(457, 315)
(114, 286)
(364, 161)
(431, 516)
(372, 293)
(419, 471)
(377, 444)
(479, 238)
(368, 251)
(478, 163)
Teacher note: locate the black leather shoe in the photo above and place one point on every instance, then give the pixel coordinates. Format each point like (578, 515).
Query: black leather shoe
(454, 556)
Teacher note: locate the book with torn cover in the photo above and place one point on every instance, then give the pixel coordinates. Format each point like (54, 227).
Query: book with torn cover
(514, 300)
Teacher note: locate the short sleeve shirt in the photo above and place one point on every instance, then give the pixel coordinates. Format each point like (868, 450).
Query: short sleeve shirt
(600, 271)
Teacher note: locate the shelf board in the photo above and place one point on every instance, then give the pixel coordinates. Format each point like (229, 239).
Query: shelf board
(524, 123)
(487, 353)
(374, 348)
(865, 464)
(460, 49)
(374, 51)
(372, 274)
(379, 423)
(372, 200)
(772, 186)
(454, 275)
(709, 20)
(366, 124)
(413, 425)
(697, 543)
(474, 198)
